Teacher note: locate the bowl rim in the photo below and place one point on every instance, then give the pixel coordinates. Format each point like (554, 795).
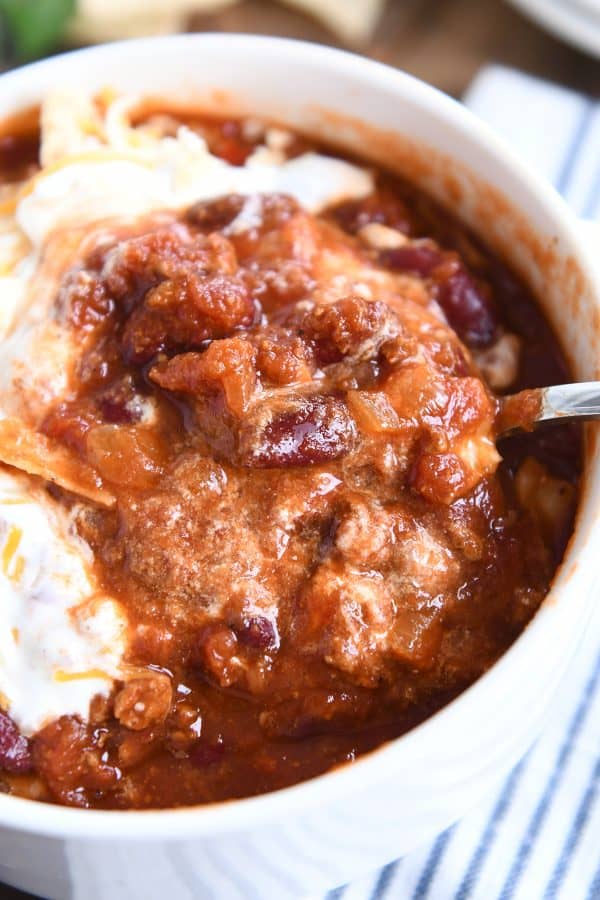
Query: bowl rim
(232, 815)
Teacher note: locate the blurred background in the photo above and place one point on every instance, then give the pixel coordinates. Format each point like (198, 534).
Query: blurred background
(445, 42)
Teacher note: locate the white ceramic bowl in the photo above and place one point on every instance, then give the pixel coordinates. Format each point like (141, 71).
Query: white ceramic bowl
(335, 827)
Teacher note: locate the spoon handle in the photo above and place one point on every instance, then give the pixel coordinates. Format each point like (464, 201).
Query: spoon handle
(570, 401)
(558, 403)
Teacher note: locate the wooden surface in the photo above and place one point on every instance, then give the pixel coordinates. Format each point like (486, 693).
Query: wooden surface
(444, 42)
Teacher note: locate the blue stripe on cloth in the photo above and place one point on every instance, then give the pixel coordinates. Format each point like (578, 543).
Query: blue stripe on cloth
(490, 832)
(592, 207)
(384, 880)
(579, 822)
(574, 148)
(594, 891)
(432, 864)
(541, 810)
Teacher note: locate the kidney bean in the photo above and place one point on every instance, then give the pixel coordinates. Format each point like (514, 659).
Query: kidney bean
(419, 259)
(115, 411)
(312, 430)
(468, 310)
(15, 753)
(120, 404)
(259, 632)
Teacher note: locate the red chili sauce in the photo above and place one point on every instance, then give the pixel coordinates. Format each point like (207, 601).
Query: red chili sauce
(311, 538)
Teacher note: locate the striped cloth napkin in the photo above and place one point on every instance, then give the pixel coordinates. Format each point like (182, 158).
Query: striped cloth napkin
(538, 838)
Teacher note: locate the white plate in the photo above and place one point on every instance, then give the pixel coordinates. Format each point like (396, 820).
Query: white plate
(592, 6)
(574, 21)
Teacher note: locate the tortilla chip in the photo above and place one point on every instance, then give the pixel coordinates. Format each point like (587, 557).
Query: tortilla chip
(353, 22)
(31, 452)
(109, 20)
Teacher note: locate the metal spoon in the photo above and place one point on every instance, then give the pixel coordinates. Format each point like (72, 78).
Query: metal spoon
(559, 403)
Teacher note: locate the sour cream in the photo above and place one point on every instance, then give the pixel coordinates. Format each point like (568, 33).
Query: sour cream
(174, 173)
(61, 642)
